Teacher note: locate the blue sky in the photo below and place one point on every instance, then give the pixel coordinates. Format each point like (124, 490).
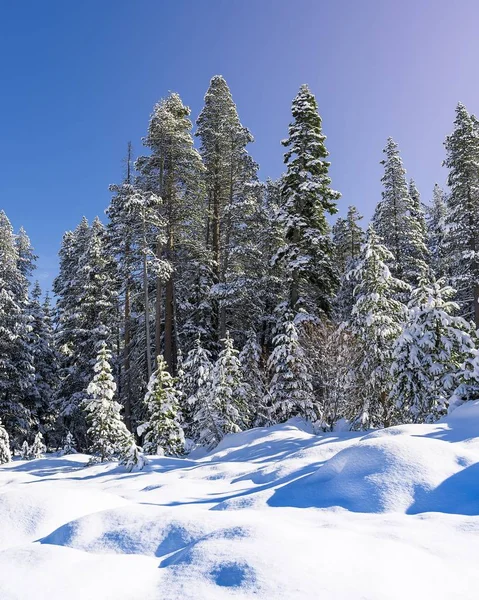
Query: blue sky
(79, 79)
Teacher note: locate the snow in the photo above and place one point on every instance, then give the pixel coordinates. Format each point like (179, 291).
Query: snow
(274, 513)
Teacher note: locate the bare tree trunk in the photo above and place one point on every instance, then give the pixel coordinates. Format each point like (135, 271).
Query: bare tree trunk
(126, 355)
(147, 302)
(127, 317)
(169, 310)
(159, 297)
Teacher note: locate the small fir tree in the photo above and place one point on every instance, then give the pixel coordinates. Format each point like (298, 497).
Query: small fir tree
(38, 448)
(107, 432)
(162, 432)
(290, 389)
(228, 389)
(376, 320)
(5, 454)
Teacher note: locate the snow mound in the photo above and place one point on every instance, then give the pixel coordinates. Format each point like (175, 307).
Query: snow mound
(29, 513)
(390, 473)
(270, 513)
(147, 530)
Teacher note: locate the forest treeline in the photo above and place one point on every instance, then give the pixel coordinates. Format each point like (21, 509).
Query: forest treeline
(210, 302)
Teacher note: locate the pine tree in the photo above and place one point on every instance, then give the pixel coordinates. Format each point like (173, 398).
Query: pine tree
(16, 362)
(5, 454)
(307, 199)
(229, 170)
(437, 234)
(26, 451)
(108, 435)
(376, 320)
(162, 433)
(227, 387)
(417, 235)
(172, 171)
(347, 238)
(290, 390)
(428, 353)
(38, 448)
(195, 379)
(255, 380)
(133, 457)
(45, 361)
(462, 148)
(399, 220)
(86, 289)
(68, 444)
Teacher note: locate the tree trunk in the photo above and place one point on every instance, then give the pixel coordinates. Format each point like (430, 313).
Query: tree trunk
(147, 303)
(159, 298)
(126, 355)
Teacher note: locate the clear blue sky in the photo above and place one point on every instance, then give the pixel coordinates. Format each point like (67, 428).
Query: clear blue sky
(79, 79)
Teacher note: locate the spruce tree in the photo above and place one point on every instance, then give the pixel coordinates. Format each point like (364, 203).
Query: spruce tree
(348, 237)
(45, 361)
(307, 199)
(227, 388)
(399, 220)
(162, 432)
(437, 233)
(254, 375)
(5, 454)
(229, 172)
(173, 171)
(38, 448)
(16, 361)
(376, 320)
(290, 390)
(108, 435)
(428, 353)
(417, 235)
(462, 148)
(194, 382)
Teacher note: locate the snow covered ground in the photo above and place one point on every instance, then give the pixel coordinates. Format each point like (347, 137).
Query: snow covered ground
(272, 513)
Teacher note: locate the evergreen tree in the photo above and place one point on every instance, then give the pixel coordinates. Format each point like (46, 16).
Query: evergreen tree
(347, 238)
(227, 388)
(16, 362)
(417, 235)
(133, 458)
(437, 234)
(290, 390)
(172, 171)
(195, 379)
(254, 376)
(86, 288)
(5, 454)
(376, 320)
(307, 199)
(38, 448)
(229, 171)
(45, 361)
(428, 353)
(462, 148)
(108, 435)
(399, 220)
(68, 444)
(26, 451)
(162, 432)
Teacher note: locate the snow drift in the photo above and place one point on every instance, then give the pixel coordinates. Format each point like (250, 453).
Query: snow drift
(270, 513)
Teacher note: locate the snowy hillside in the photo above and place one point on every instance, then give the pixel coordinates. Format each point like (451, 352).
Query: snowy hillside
(272, 513)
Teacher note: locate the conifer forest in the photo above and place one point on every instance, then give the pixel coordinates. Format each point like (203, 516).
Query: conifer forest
(206, 302)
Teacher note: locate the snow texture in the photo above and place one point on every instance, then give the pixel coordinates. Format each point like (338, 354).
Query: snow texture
(271, 513)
